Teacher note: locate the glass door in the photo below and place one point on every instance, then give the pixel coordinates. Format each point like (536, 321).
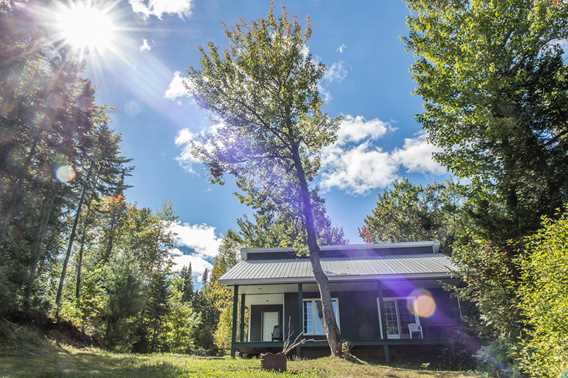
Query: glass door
(392, 322)
(269, 321)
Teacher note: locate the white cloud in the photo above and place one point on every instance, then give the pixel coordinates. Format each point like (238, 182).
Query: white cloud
(187, 140)
(198, 264)
(145, 46)
(178, 87)
(158, 8)
(336, 72)
(200, 237)
(357, 129)
(356, 164)
(416, 156)
(341, 48)
(359, 169)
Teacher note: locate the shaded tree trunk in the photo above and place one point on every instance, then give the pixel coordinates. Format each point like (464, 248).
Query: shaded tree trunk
(13, 199)
(329, 321)
(68, 252)
(80, 257)
(36, 250)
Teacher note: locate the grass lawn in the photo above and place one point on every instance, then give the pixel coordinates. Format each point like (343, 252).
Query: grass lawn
(72, 362)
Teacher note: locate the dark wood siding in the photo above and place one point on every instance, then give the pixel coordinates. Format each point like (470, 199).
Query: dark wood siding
(291, 318)
(358, 316)
(358, 313)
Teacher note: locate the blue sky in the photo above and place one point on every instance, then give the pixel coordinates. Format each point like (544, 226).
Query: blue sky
(369, 83)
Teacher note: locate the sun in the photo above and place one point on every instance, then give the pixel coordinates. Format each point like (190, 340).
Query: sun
(85, 27)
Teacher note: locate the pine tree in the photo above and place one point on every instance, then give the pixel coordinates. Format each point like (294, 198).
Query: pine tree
(204, 278)
(186, 275)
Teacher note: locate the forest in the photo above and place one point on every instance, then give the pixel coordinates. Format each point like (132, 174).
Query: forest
(77, 256)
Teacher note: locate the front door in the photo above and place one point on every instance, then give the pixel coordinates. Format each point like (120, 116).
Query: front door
(269, 321)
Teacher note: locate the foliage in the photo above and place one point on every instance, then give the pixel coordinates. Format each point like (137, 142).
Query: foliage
(186, 277)
(220, 297)
(125, 300)
(544, 299)
(264, 89)
(495, 87)
(224, 329)
(180, 324)
(496, 359)
(408, 212)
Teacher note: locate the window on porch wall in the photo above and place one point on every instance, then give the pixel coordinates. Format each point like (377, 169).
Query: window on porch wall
(313, 316)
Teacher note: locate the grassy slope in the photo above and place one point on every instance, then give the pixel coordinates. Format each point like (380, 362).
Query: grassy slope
(72, 362)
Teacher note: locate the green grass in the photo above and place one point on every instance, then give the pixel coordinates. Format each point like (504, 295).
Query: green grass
(65, 361)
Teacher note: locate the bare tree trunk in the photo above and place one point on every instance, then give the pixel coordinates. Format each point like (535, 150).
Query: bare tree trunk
(15, 193)
(68, 252)
(329, 321)
(80, 257)
(114, 219)
(45, 213)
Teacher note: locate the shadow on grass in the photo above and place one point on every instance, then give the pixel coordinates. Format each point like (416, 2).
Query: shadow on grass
(65, 364)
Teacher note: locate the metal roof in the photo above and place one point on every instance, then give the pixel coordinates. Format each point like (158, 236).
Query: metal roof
(338, 269)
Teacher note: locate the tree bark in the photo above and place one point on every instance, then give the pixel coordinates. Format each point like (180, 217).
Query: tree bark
(15, 193)
(329, 322)
(68, 252)
(45, 213)
(80, 257)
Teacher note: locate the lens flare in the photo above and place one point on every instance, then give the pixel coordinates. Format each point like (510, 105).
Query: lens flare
(424, 304)
(65, 174)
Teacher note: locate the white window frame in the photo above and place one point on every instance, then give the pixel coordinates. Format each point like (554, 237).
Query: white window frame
(313, 300)
(416, 316)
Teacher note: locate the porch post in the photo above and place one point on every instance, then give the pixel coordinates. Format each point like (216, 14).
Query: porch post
(234, 324)
(242, 317)
(300, 325)
(383, 329)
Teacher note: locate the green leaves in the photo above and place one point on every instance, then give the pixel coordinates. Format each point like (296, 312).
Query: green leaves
(264, 88)
(544, 298)
(409, 212)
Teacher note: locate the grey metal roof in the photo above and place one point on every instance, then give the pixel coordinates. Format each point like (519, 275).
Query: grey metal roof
(337, 269)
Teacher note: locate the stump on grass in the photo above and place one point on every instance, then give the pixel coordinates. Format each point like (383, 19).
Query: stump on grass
(273, 361)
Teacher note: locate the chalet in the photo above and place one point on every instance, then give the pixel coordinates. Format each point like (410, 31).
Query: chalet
(384, 296)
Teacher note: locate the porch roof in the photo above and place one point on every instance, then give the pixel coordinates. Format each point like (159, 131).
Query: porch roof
(250, 272)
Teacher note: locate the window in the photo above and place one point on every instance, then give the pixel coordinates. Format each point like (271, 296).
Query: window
(313, 316)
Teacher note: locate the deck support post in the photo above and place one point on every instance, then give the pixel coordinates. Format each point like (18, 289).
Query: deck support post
(383, 330)
(234, 323)
(242, 319)
(300, 325)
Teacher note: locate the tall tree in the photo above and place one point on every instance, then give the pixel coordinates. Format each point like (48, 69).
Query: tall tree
(408, 212)
(495, 90)
(186, 275)
(204, 277)
(264, 87)
(103, 170)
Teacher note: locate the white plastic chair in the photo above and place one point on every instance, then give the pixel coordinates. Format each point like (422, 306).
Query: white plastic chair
(415, 328)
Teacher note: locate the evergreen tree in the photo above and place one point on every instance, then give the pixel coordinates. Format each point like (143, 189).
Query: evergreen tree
(204, 278)
(408, 212)
(186, 275)
(157, 306)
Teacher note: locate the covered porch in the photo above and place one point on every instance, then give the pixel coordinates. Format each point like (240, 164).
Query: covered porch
(371, 314)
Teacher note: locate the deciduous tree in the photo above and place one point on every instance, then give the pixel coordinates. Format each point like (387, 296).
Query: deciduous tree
(264, 87)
